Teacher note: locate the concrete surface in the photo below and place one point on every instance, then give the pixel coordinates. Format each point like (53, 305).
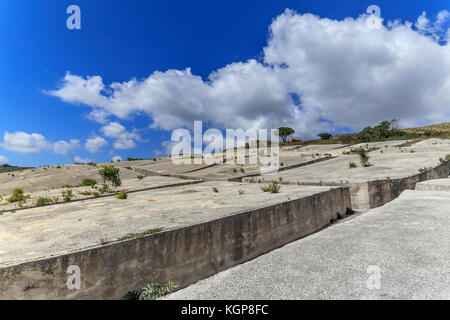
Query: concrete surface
(46, 178)
(185, 254)
(434, 185)
(407, 239)
(47, 231)
(129, 185)
(388, 163)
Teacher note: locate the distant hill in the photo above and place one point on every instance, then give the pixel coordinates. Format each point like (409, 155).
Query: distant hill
(443, 128)
(8, 168)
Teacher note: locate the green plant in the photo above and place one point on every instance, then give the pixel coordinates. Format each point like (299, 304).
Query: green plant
(352, 164)
(17, 195)
(363, 156)
(140, 177)
(96, 194)
(122, 194)
(154, 290)
(241, 192)
(130, 236)
(424, 169)
(89, 182)
(215, 190)
(67, 195)
(272, 188)
(242, 170)
(110, 177)
(43, 201)
(235, 170)
(132, 295)
(285, 132)
(325, 136)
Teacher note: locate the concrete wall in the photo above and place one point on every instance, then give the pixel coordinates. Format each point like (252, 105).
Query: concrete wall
(185, 255)
(381, 192)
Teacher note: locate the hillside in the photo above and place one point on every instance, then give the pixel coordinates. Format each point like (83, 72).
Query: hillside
(8, 168)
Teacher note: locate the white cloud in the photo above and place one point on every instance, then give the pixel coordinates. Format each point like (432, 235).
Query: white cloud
(78, 159)
(64, 148)
(95, 144)
(116, 158)
(343, 73)
(4, 160)
(35, 143)
(24, 142)
(124, 139)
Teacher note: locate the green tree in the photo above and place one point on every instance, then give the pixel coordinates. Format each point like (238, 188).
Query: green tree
(110, 177)
(285, 132)
(325, 136)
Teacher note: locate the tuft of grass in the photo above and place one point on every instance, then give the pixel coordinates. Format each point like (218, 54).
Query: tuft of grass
(215, 190)
(89, 183)
(272, 188)
(424, 169)
(17, 196)
(352, 165)
(42, 201)
(130, 236)
(140, 177)
(122, 195)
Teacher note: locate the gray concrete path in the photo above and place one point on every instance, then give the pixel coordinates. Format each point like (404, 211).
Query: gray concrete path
(407, 241)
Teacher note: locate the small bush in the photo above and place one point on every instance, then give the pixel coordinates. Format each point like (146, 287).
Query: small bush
(122, 195)
(241, 192)
(43, 201)
(154, 291)
(272, 188)
(363, 156)
(96, 194)
(352, 165)
(215, 190)
(140, 177)
(17, 195)
(89, 182)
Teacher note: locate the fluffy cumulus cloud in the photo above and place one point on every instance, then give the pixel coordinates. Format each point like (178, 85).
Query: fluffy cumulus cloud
(35, 143)
(4, 160)
(64, 148)
(95, 144)
(123, 138)
(316, 74)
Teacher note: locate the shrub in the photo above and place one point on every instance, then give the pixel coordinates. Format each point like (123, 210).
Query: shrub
(111, 177)
(140, 177)
(325, 136)
(272, 188)
(154, 290)
(122, 195)
(96, 194)
(67, 195)
(241, 192)
(363, 156)
(17, 195)
(43, 201)
(89, 182)
(352, 164)
(215, 190)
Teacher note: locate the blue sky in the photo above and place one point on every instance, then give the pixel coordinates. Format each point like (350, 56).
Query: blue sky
(121, 40)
